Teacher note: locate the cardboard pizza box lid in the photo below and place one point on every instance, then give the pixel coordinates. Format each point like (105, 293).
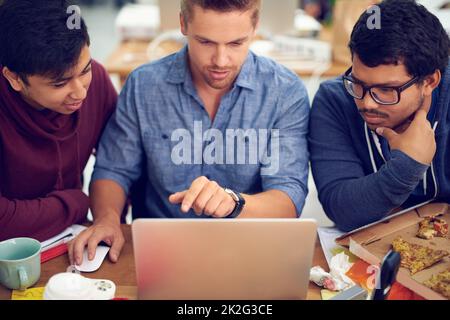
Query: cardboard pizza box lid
(391, 224)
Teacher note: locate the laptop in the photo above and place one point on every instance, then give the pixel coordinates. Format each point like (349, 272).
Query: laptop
(208, 259)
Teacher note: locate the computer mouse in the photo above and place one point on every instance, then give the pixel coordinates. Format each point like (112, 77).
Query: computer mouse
(92, 266)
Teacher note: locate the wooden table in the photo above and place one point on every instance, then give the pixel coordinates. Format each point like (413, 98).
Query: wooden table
(124, 276)
(131, 54)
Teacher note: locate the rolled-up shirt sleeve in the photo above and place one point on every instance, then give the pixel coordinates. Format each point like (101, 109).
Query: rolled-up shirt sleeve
(288, 168)
(120, 152)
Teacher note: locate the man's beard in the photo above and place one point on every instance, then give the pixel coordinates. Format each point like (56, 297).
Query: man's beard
(402, 127)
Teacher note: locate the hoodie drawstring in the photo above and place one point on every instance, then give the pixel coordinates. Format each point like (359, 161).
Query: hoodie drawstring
(372, 157)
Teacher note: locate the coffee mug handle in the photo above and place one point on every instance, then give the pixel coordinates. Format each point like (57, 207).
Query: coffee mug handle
(23, 277)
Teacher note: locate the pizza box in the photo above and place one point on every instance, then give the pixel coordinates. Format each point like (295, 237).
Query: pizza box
(373, 242)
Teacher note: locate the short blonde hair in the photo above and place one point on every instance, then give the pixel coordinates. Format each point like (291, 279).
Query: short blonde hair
(221, 6)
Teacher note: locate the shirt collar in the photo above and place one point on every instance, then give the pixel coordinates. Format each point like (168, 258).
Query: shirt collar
(179, 71)
(247, 76)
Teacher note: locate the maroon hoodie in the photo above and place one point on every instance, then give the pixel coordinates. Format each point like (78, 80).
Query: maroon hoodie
(42, 157)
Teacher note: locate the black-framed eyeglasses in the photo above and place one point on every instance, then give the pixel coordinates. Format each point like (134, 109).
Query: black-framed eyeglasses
(384, 95)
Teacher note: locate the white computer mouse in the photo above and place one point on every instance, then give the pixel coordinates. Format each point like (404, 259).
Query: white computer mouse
(94, 265)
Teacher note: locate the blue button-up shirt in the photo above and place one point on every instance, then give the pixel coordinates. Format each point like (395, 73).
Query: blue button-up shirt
(257, 141)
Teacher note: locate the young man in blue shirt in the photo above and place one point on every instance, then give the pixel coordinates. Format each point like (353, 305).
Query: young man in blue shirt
(379, 136)
(221, 132)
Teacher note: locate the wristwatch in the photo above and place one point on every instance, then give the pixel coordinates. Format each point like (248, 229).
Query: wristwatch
(240, 203)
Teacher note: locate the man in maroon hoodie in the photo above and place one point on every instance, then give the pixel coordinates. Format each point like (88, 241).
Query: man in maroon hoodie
(54, 103)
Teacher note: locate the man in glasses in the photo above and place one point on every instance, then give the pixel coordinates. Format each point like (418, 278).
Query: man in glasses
(379, 135)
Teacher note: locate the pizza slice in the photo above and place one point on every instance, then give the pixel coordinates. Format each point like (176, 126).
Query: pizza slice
(432, 227)
(441, 227)
(415, 257)
(440, 283)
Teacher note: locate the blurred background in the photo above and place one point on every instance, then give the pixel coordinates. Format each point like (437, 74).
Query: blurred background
(106, 17)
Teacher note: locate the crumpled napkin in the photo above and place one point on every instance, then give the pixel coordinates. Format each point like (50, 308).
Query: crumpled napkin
(335, 280)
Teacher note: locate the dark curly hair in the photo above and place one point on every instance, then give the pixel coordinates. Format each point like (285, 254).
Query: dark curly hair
(35, 38)
(409, 34)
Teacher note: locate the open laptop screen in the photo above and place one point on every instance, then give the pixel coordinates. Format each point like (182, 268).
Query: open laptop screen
(223, 259)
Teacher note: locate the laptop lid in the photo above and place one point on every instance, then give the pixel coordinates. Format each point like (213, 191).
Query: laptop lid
(210, 259)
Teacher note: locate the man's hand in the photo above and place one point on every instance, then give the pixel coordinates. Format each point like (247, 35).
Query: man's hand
(205, 197)
(105, 229)
(418, 141)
